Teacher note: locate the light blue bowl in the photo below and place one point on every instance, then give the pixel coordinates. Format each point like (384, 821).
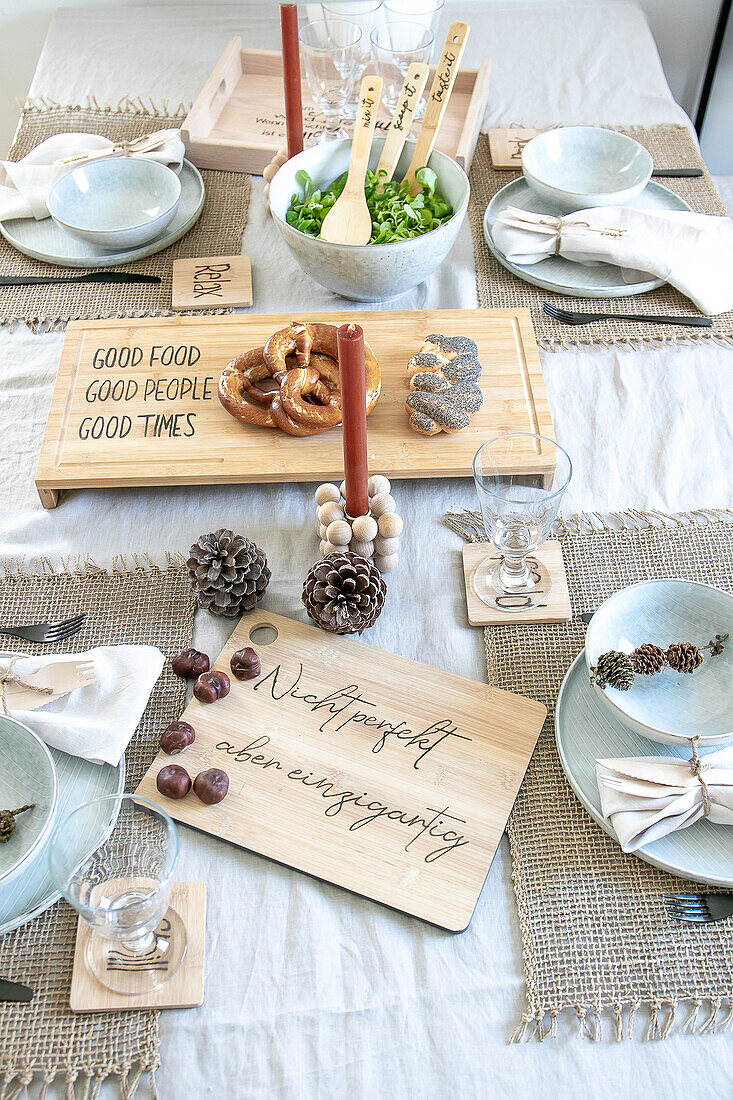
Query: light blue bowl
(670, 707)
(585, 166)
(121, 202)
(27, 774)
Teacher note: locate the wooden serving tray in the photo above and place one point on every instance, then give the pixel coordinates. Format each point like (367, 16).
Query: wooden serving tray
(161, 422)
(238, 121)
(335, 732)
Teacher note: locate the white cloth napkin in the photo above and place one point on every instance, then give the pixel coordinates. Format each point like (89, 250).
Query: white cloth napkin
(693, 252)
(646, 797)
(96, 721)
(25, 184)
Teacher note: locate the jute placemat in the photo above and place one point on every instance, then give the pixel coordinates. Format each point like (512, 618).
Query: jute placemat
(44, 1040)
(218, 232)
(595, 936)
(670, 146)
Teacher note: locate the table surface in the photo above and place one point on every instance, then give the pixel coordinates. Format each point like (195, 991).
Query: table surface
(311, 992)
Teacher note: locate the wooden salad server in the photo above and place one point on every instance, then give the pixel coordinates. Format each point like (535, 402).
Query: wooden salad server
(349, 221)
(399, 127)
(440, 92)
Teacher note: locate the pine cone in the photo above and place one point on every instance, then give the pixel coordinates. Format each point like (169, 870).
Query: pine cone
(648, 659)
(684, 657)
(344, 593)
(7, 821)
(229, 573)
(614, 669)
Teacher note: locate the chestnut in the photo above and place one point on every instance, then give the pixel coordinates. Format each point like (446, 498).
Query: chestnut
(246, 664)
(211, 786)
(173, 781)
(177, 737)
(189, 663)
(211, 686)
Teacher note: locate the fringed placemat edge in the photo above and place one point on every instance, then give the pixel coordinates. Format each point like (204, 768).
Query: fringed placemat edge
(24, 568)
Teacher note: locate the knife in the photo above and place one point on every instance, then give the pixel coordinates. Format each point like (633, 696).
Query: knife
(89, 277)
(14, 991)
(678, 173)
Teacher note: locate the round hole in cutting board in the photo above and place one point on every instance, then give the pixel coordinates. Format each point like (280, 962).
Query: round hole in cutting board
(263, 635)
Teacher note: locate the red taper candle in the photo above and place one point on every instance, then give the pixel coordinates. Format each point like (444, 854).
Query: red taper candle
(291, 77)
(352, 374)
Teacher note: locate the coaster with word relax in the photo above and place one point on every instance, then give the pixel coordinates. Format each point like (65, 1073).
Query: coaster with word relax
(506, 145)
(556, 608)
(184, 990)
(206, 282)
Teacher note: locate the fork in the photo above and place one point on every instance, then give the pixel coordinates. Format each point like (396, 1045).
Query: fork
(62, 676)
(569, 318)
(698, 908)
(47, 633)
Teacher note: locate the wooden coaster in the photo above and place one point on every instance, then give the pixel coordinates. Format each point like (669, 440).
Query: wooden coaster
(505, 146)
(206, 282)
(556, 610)
(186, 987)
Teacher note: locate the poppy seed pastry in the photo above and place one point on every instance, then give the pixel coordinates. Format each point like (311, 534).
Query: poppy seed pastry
(444, 389)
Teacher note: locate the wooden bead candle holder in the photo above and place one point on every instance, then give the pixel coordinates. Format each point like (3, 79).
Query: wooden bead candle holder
(376, 536)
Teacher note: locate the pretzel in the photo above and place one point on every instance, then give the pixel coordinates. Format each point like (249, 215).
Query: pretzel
(307, 339)
(302, 360)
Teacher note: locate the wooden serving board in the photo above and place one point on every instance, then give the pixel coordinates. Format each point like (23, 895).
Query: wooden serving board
(237, 122)
(135, 402)
(370, 771)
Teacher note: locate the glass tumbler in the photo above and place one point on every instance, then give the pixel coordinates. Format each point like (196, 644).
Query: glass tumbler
(426, 12)
(118, 878)
(518, 512)
(366, 14)
(395, 46)
(330, 52)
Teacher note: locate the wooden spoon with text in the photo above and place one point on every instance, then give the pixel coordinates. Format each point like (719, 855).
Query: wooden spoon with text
(440, 92)
(399, 127)
(349, 221)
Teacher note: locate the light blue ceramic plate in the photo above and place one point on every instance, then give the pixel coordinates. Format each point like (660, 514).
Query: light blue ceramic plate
(32, 890)
(27, 774)
(50, 243)
(566, 276)
(585, 732)
(672, 706)
(118, 203)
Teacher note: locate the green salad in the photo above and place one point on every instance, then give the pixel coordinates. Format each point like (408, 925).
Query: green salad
(396, 214)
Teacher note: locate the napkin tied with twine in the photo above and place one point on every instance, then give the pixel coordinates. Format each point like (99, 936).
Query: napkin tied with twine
(693, 252)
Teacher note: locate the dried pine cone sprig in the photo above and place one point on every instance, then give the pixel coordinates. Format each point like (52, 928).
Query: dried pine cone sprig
(648, 659)
(684, 657)
(7, 821)
(616, 669)
(344, 593)
(229, 573)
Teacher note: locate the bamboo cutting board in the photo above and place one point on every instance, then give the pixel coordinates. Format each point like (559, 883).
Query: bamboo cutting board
(135, 402)
(370, 771)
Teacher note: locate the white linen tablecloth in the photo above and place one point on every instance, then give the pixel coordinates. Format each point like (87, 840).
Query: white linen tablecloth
(311, 992)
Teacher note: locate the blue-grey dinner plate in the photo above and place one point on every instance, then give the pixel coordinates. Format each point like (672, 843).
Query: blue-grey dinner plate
(32, 890)
(46, 241)
(566, 276)
(585, 732)
(27, 775)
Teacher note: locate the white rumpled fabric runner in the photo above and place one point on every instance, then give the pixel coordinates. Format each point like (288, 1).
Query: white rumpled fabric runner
(25, 184)
(693, 252)
(646, 797)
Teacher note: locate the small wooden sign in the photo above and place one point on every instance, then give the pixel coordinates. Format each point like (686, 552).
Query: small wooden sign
(506, 145)
(210, 282)
(556, 609)
(184, 990)
(390, 778)
(136, 402)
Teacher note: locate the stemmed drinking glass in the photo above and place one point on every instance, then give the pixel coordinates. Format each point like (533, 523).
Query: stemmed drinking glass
(366, 14)
(395, 47)
(426, 12)
(518, 512)
(120, 885)
(330, 51)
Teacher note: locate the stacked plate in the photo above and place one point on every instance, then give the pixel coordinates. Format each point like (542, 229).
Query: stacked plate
(658, 715)
(57, 783)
